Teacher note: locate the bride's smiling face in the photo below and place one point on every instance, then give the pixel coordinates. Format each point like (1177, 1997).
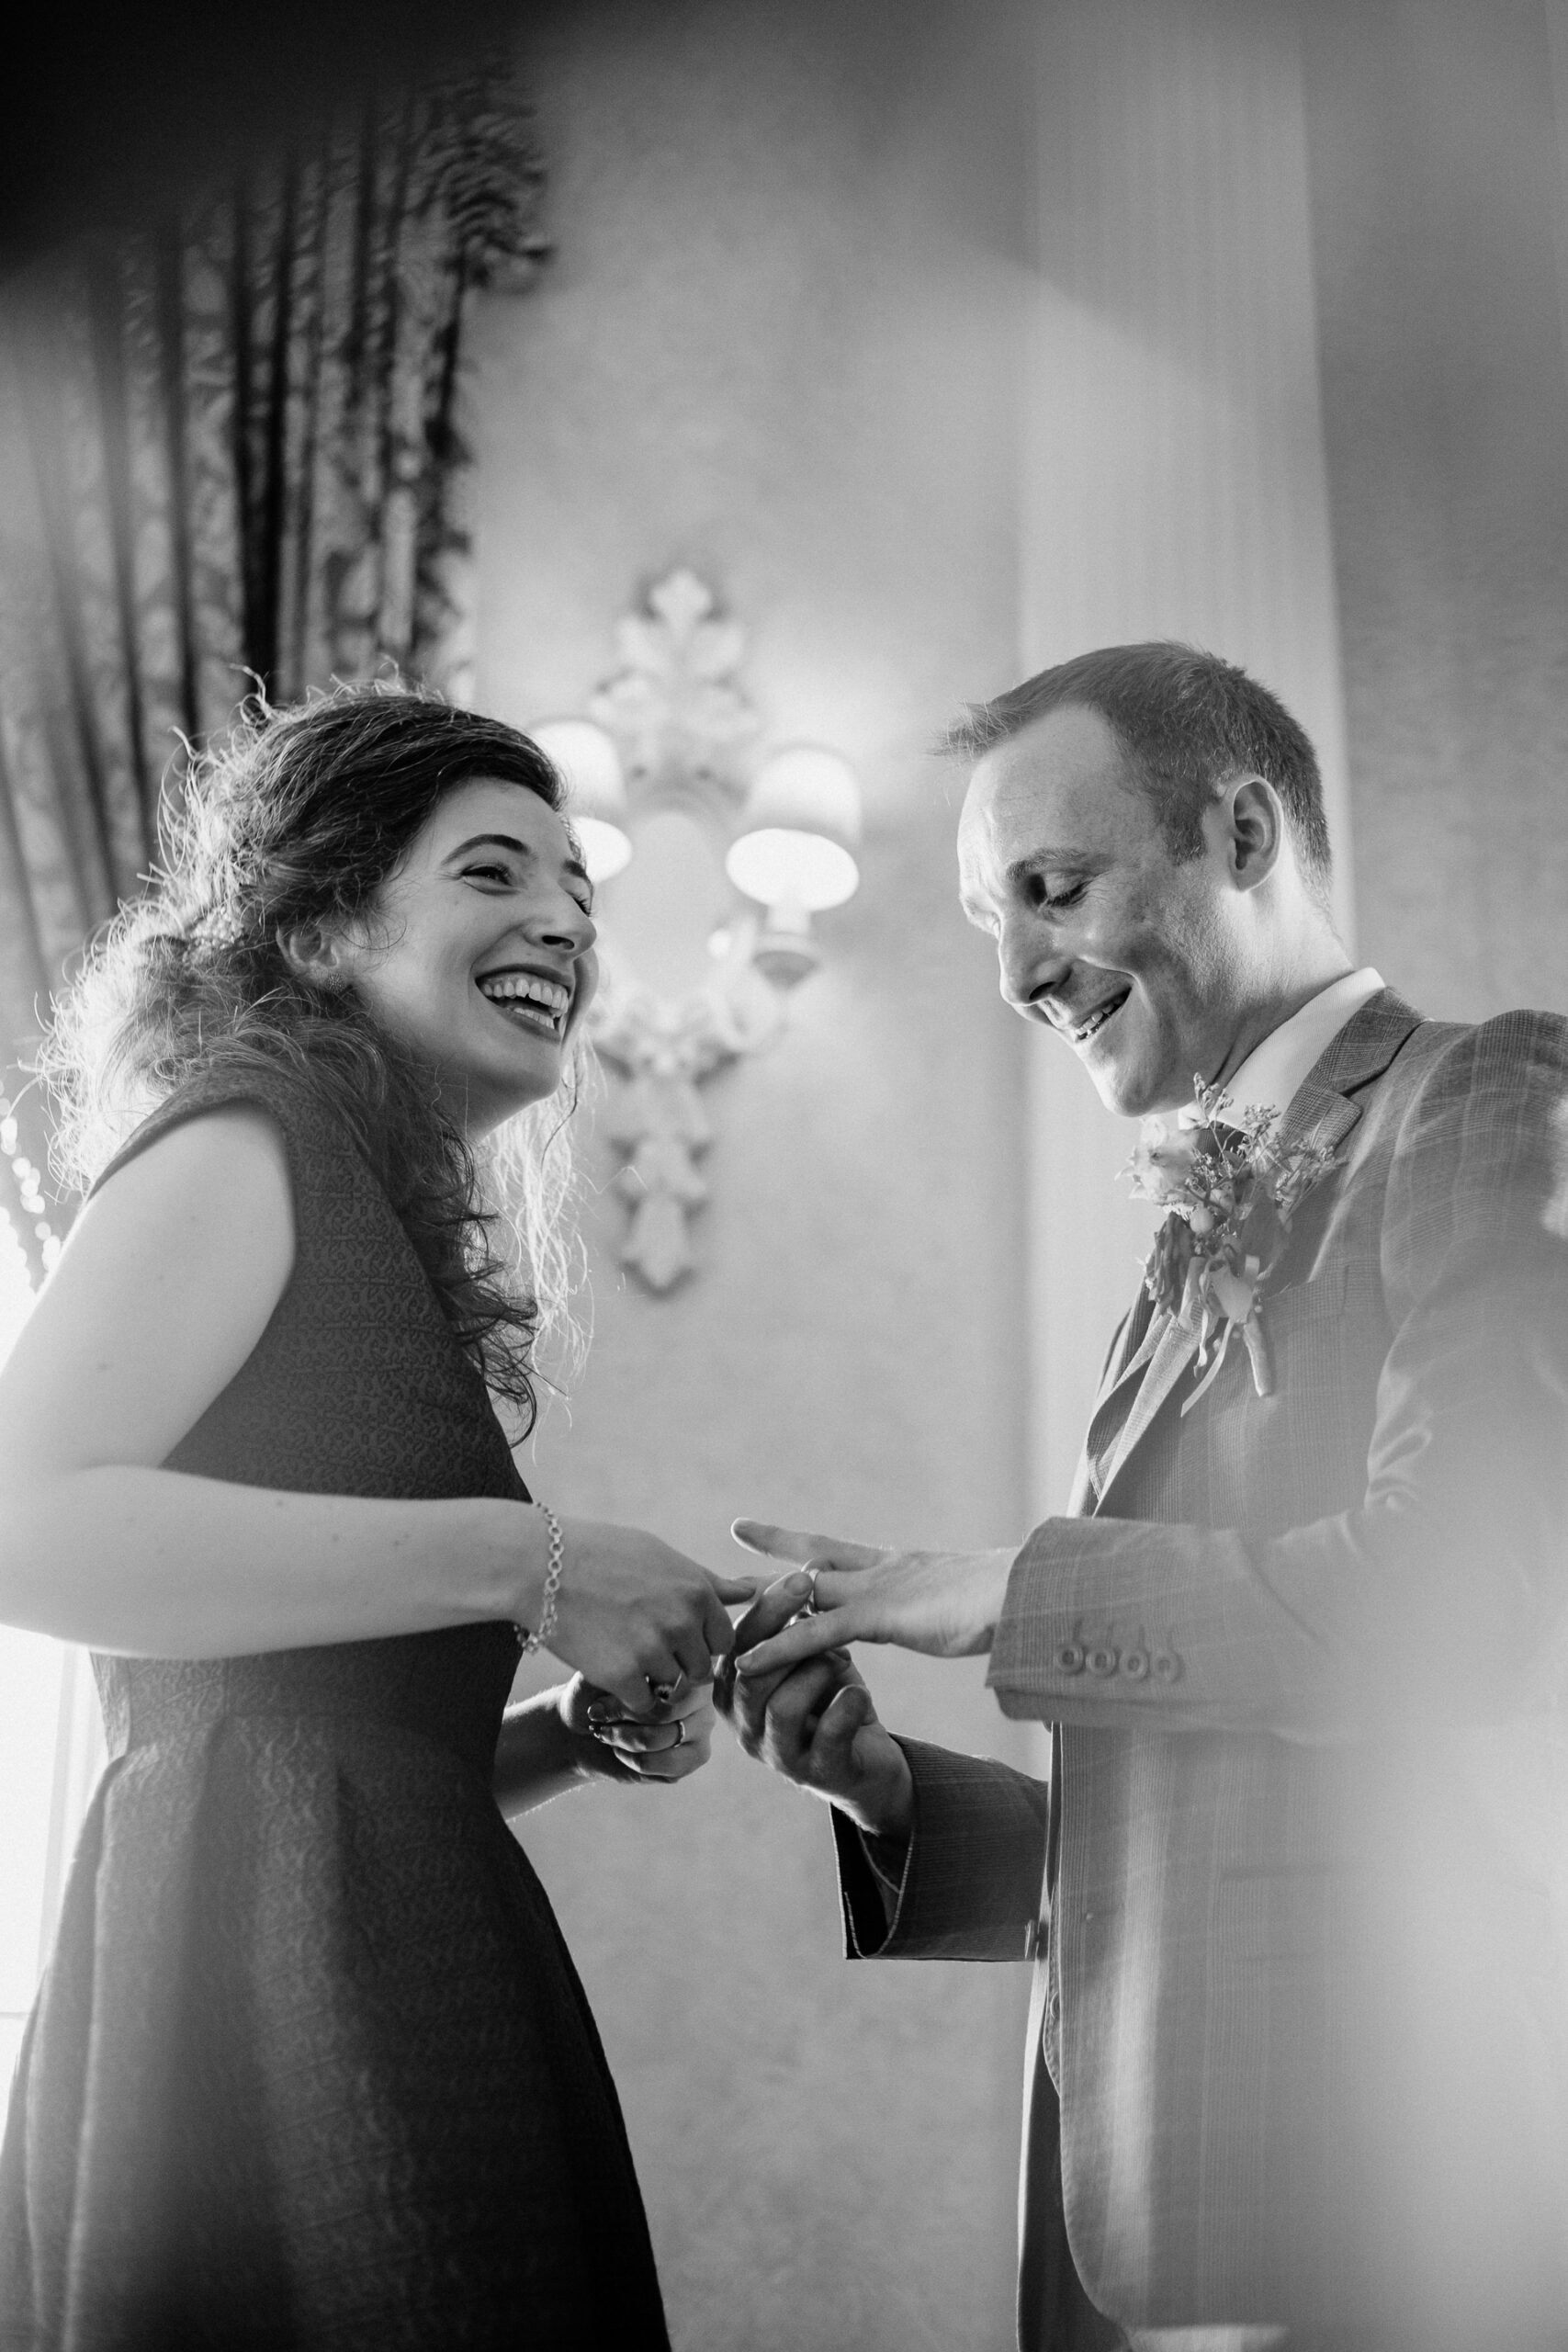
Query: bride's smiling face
(477, 951)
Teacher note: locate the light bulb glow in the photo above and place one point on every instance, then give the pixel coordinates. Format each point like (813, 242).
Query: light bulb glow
(777, 864)
(606, 850)
(590, 765)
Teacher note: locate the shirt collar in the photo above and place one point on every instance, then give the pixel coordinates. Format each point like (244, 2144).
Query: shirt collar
(1274, 1070)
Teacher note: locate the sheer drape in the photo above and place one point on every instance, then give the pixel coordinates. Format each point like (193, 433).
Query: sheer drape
(229, 445)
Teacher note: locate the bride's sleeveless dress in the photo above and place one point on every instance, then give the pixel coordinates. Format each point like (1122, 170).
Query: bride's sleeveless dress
(310, 2065)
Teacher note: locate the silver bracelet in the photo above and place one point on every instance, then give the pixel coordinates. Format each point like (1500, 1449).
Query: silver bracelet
(529, 1643)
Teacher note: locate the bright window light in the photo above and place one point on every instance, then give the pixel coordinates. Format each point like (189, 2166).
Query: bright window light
(30, 1670)
(52, 1751)
(29, 1713)
(16, 1287)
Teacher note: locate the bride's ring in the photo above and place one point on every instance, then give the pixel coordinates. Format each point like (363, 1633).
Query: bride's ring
(811, 1609)
(680, 1740)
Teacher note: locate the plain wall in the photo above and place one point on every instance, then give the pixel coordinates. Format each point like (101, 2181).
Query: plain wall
(777, 342)
(1436, 138)
(1174, 485)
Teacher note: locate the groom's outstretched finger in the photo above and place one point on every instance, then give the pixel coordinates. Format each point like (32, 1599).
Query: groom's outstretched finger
(774, 1542)
(794, 1544)
(805, 1637)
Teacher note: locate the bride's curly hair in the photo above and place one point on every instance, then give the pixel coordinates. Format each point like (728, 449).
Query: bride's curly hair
(297, 817)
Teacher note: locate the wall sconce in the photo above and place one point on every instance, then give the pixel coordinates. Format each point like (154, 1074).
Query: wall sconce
(591, 765)
(691, 981)
(800, 824)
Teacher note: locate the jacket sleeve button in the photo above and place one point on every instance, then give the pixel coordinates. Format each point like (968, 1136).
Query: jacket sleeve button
(1102, 1660)
(1069, 1657)
(1166, 1666)
(1134, 1664)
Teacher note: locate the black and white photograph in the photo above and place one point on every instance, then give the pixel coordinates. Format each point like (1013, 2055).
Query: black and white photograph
(783, 1177)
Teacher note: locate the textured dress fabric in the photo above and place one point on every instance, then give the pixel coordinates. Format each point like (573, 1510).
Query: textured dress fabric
(310, 2065)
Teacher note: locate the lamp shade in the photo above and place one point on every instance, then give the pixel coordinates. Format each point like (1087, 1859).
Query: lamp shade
(799, 825)
(595, 790)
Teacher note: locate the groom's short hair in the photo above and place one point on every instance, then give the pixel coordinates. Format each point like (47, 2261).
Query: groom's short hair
(1188, 722)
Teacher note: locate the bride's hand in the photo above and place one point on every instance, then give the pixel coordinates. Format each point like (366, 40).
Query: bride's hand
(633, 1615)
(621, 1748)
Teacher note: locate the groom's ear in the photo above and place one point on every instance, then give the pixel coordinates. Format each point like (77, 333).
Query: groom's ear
(1254, 819)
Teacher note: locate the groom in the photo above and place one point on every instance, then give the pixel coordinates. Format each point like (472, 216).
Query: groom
(1296, 1891)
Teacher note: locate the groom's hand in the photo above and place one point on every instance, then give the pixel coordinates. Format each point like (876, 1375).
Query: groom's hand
(945, 1604)
(816, 1724)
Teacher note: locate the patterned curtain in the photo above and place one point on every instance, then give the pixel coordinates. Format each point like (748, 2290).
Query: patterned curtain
(229, 451)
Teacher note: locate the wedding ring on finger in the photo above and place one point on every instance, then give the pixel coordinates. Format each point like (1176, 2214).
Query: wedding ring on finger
(680, 1740)
(810, 1608)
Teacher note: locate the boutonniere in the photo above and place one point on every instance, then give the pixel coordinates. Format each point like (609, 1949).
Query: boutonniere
(1231, 1187)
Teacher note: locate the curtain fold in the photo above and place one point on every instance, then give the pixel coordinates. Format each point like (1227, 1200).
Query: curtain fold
(229, 453)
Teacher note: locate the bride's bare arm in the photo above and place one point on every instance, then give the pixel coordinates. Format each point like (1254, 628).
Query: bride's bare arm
(166, 1284)
(564, 1739)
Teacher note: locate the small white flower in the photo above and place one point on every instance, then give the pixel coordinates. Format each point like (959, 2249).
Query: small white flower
(1163, 1162)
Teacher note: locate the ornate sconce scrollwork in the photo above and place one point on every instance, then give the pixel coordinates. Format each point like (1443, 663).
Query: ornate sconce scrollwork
(677, 815)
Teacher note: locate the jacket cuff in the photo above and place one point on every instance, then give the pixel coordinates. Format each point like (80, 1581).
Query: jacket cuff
(972, 1878)
(1064, 1651)
(870, 1897)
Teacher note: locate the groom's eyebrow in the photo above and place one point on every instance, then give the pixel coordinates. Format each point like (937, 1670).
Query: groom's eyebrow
(1024, 869)
(1043, 861)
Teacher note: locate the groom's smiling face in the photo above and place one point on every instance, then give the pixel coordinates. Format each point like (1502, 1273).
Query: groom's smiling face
(1134, 958)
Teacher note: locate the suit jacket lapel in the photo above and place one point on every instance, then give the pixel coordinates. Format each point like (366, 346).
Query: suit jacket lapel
(1322, 1110)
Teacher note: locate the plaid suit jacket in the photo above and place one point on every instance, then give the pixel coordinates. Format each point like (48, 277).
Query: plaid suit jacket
(1303, 1987)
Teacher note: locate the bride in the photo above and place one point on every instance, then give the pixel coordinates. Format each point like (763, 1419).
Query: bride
(310, 2063)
